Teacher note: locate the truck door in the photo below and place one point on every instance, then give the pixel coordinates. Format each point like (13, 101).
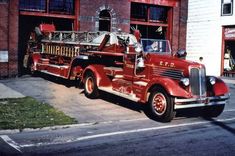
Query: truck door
(129, 66)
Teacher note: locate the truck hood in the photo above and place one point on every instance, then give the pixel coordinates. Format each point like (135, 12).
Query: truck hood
(167, 61)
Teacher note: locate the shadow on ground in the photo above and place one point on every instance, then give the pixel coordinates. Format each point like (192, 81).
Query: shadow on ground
(103, 95)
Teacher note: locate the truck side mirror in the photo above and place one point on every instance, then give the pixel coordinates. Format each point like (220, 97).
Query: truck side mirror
(181, 54)
(140, 62)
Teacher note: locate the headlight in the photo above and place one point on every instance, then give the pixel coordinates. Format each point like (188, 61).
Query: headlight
(185, 81)
(138, 48)
(212, 80)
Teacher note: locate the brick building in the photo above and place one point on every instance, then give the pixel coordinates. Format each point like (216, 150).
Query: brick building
(8, 38)
(163, 19)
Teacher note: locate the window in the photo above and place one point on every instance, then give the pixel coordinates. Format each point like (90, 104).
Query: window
(104, 20)
(139, 11)
(153, 32)
(226, 7)
(29, 5)
(158, 14)
(153, 21)
(62, 6)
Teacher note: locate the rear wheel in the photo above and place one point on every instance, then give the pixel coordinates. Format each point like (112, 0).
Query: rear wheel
(90, 86)
(213, 111)
(161, 106)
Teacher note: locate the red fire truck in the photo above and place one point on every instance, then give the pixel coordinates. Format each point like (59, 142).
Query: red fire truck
(145, 71)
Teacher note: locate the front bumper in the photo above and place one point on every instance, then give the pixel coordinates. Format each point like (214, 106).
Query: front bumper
(201, 102)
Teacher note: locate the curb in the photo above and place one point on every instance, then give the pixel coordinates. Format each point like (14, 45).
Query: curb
(14, 131)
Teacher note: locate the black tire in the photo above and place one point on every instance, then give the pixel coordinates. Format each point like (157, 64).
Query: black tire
(90, 86)
(213, 111)
(163, 110)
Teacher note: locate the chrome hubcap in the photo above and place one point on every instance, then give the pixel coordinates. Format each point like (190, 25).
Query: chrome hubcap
(159, 103)
(89, 85)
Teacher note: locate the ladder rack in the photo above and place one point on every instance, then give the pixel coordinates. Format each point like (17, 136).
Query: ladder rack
(71, 37)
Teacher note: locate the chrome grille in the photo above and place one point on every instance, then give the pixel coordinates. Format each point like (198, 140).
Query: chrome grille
(198, 81)
(167, 72)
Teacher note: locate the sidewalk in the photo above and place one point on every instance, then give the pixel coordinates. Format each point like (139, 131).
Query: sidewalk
(228, 80)
(6, 92)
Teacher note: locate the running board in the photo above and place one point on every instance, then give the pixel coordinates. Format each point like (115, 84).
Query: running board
(55, 70)
(49, 73)
(131, 97)
(53, 65)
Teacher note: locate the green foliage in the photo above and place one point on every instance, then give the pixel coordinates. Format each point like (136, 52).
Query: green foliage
(29, 113)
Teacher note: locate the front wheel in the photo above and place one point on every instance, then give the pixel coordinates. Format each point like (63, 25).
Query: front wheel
(161, 106)
(213, 111)
(90, 86)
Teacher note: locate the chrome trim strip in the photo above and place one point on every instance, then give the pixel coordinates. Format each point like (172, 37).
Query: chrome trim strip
(224, 97)
(140, 83)
(57, 75)
(131, 96)
(197, 102)
(53, 65)
(167, 72)
(201, 104)
(188, 100)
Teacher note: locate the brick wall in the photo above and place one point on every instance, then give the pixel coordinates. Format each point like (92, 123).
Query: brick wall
(9, 37)
(89, 10)
(4, 36)
(119, 10)
(180, 13)
(183, 15)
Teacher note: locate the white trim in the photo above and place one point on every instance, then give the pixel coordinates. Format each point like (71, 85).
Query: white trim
(118, 76)
(11, 142)
(55, 66)
(96, 136)
(200, 105)
(141, 83)
(57, 75)
(131, 96)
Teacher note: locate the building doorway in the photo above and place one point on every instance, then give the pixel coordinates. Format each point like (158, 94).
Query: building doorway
(104, 20)
(27, 24)
(228, 53)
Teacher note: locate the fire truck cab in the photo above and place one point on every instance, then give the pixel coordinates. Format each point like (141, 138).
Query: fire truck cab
(144, 71)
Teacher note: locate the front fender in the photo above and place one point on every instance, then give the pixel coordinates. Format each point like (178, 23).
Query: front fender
(98, 71)
(172, 87)
(220, 87)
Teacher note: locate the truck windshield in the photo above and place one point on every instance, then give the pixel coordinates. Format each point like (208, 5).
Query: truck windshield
(156, 46)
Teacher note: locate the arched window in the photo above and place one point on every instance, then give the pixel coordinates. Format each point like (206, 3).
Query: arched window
(104, 20)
